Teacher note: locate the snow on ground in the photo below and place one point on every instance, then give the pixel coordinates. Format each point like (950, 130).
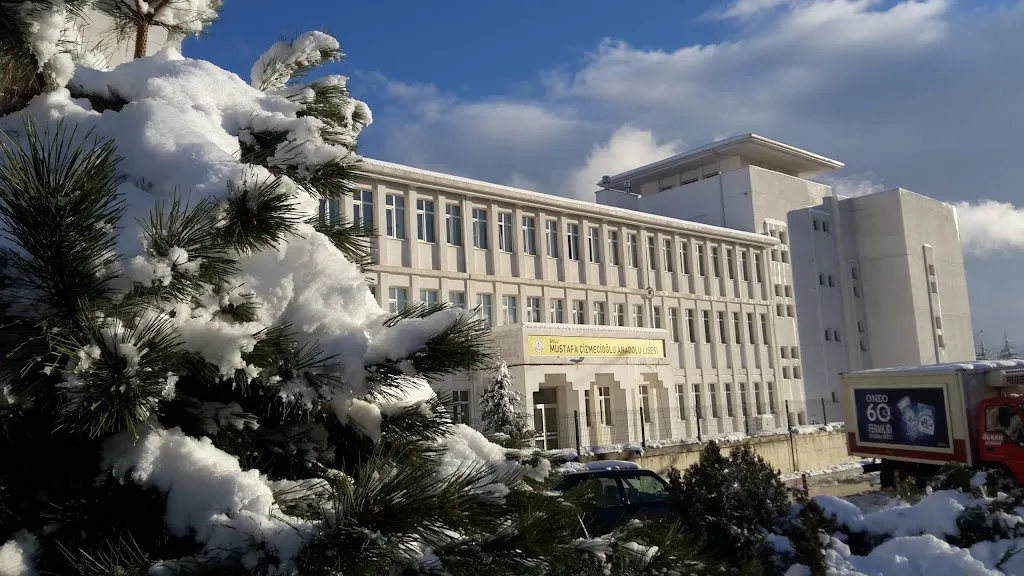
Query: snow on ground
(831, 469)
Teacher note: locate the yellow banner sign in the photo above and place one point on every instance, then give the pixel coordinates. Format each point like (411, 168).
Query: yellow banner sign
(595, 347)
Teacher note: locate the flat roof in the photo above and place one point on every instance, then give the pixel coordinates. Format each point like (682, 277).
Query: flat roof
(753, 146)
(964, 366)
(372, 168)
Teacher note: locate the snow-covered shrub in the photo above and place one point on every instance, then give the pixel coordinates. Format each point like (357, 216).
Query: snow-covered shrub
(730, 503)
(501, 409)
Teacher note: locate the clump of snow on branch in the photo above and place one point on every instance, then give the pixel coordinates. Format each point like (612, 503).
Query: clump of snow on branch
(48, 36)
(16, 555)
(208, 494)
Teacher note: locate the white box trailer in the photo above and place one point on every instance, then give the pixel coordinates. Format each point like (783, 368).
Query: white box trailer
(918, 419)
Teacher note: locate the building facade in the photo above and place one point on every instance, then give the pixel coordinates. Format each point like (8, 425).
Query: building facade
(602, 278)
(873, 281)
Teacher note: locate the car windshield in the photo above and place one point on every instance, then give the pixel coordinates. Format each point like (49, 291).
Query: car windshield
(642, 488)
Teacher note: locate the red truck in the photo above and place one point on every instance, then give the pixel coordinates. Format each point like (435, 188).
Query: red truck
(917, 419)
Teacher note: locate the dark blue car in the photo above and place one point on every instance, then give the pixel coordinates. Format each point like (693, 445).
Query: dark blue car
(621, 492)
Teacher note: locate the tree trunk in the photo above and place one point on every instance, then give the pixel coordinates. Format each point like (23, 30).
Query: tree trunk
(141, 38)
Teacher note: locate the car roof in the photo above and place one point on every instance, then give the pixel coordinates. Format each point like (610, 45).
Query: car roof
(606, 465)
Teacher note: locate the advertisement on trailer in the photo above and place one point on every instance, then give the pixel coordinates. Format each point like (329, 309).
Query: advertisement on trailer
(914, 416)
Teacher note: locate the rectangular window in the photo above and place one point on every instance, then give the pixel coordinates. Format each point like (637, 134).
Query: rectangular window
(730, 264)
(620, 314)
(938, 323)
(604, 404)
(737, 328)
(935, 288)
(428, 296)
(744, 409)
(529, 235)
(744, 267)
(656, 321)
(784, 351)
(557, 313)
(831, 281)
(633, 251)
(860, 326)
(509, 310)
(684, 256)
(638, 316)
(394, 215)
(666, 255)
(794, 352)
(505, 231)
(856, 291)
(691, 325)
(551, 235)
(721, 327)
(673, 323)
(362, 207)
(457, 298)
(700, 260)
(533, 309)
(758, 402)
(715, 265)
(821, 279)
(696, 400)
(613, 247)
(484, 303)
(790, 310)
(579, 312)
(828, 335)
(771, 398)
(652, 252)
(751, 331)
(600, 311)
(713, 398)
(824, 226)
(835, 335)
(480, 228)
(816, 225)
(757, 268)
(764, 330)
(425, 220)
(706, 316)
(453, 224)
(594, 245)
(681, 400)
(796, 372)
(460, 407)
(398, 299)
(574, 241)
(729, 411)
(645, 404)
(330, 210)
(785, 372)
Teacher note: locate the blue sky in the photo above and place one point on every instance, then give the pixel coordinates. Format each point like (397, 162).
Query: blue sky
(550, 95)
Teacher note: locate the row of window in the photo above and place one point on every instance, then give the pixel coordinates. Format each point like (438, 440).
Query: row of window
(604, 402)
(398, 300)
(394, 224)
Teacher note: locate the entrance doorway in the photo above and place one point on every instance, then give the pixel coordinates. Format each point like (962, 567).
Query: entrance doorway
(545, 418)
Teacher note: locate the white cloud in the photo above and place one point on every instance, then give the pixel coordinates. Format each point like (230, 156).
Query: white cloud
(627, 148)
(990, 227)
(854, 185)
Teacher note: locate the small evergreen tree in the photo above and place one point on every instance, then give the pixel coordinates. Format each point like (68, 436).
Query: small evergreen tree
(982, 352)
(501, 409)
(1008, 352)
(133, 18)
(729, 503)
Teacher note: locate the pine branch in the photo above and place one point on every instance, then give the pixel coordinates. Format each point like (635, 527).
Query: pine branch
(353, 239)
(59, 203)
(186, 240)
(118, 372)
(283, 156)
(259, 215)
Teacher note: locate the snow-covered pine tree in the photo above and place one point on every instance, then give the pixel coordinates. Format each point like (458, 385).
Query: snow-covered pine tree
(982, 352)
(501, 409)
(1008, 352)
(179, 18)
(195, 377)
